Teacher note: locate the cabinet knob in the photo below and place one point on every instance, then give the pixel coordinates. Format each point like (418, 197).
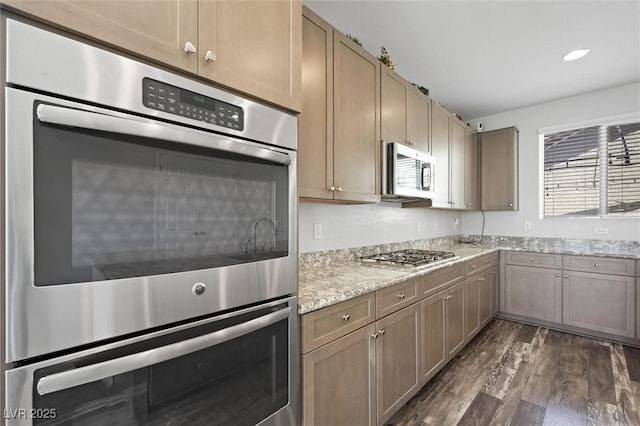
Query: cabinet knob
(557, 275)
(510, 204)
(531, 259)
(566, 276)
(332, 188)
(339, 189)
(346, 317)
(210, 56)
(375, 335)
(596, 265)
(482, 279)
(381, 332)
(410, 143)
(401, 296)
(474, 266)
(486, 261)
(189, 48)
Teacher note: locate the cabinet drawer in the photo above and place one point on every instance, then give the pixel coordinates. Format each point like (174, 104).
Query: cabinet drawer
(327, 324)
(478, 264)
(396, 297)
(601, 265)
(439, 280)
(534, 259)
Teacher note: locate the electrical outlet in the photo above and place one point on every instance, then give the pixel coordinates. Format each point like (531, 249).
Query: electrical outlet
(456, 222)
(600, 231)
(317, 231)
(527, 225)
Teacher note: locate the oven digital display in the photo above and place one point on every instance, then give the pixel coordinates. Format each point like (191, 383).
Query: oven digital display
(174, 100)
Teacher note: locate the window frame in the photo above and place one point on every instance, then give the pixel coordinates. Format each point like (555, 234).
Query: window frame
(608, 121)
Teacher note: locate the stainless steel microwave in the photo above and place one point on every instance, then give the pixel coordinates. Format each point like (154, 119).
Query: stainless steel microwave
(407, 173)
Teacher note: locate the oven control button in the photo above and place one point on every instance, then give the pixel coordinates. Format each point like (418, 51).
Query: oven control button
(198, 289)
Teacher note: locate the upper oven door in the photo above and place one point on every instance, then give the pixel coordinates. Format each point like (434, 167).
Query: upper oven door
(117, 223)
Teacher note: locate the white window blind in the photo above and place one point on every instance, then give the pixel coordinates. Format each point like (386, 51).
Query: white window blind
(592, 171)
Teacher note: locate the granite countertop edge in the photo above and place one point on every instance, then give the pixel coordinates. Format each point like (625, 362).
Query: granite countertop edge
(326, 285)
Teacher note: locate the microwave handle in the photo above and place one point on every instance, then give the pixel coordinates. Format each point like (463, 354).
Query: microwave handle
(94, 372)
(73, 117)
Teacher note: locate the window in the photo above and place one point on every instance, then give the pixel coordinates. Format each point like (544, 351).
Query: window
(592, 171)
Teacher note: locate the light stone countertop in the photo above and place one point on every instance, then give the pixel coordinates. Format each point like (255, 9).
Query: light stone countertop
(323, 285)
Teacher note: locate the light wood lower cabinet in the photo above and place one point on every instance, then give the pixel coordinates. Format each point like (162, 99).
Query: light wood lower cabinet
(433, 353)
(398, 357)
(599, 302)
(534, 292)
(454, 319)
(338, 379)
(494, 283)
(486, 295)
(471, 306)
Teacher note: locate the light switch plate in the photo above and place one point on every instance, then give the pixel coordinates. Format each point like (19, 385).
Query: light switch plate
(317, 231)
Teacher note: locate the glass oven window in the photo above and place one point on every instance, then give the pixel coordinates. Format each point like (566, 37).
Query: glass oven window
(111, 206)
(238, 382)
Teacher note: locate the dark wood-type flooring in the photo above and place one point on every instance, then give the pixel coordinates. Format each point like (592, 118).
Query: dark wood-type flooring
(517, 374)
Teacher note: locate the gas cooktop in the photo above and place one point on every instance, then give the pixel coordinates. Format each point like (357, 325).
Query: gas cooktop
(410, 257)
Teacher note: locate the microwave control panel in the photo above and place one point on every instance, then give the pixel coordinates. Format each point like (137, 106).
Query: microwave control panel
(174, 100)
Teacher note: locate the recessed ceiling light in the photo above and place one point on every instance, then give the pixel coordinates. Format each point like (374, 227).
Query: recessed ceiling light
(575, 54)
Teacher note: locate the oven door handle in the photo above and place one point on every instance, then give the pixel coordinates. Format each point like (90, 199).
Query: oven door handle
(94, 372)
(73, 117)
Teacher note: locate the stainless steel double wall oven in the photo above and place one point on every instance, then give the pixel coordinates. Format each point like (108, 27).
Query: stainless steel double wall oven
(150, 244)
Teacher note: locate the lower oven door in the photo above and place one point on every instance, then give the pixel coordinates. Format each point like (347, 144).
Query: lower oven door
(238, 369)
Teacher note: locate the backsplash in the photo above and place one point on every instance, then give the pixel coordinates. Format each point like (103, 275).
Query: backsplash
(631, 248)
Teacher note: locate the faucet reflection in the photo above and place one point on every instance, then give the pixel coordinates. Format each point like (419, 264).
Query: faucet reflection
(271, 244)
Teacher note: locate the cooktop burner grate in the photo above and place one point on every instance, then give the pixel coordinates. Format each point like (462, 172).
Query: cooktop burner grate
(409, 257)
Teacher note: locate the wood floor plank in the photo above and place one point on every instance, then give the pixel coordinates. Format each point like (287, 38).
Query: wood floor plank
(574, 359)
(632, 356)
(625, 399)
(537, 390)
(600, 384)
(558, 338)
(526, 333)
(601, 413)
(480, 411)
(547, 363)
(499, 381)
(528, 414)
(567, 400)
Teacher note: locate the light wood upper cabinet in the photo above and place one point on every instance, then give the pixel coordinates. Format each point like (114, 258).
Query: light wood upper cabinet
(448, 147)
(404, 112)
(499, 169)
(471, 175)
(158, 31)
(339, 128)
(254, 46)
(356, 122)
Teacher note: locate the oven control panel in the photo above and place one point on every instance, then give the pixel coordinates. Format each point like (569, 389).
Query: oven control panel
(174, 100)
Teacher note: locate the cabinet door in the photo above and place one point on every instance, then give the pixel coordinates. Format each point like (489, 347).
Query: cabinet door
(156, 30)
(456, 164)
(393, 106)
(533, 292)
(471, 177)
(315, 124)
(440, 150)
(484, 297)
(338, 382)
(356, 141)
(454, 322)
(495, 300)
(500, 169)
(471, 306)
(433, 332)
(256, 47)
(419, 120)
(398, 357)
(599, 302)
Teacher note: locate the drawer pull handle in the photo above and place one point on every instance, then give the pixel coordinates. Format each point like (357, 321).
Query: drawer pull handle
(346, 317)
(401, 296)
(596, 265)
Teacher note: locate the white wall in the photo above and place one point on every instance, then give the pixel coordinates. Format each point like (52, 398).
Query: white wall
(346, 226)
(612, 102)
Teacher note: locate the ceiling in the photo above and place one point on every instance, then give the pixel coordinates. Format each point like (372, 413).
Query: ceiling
(485, 57)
